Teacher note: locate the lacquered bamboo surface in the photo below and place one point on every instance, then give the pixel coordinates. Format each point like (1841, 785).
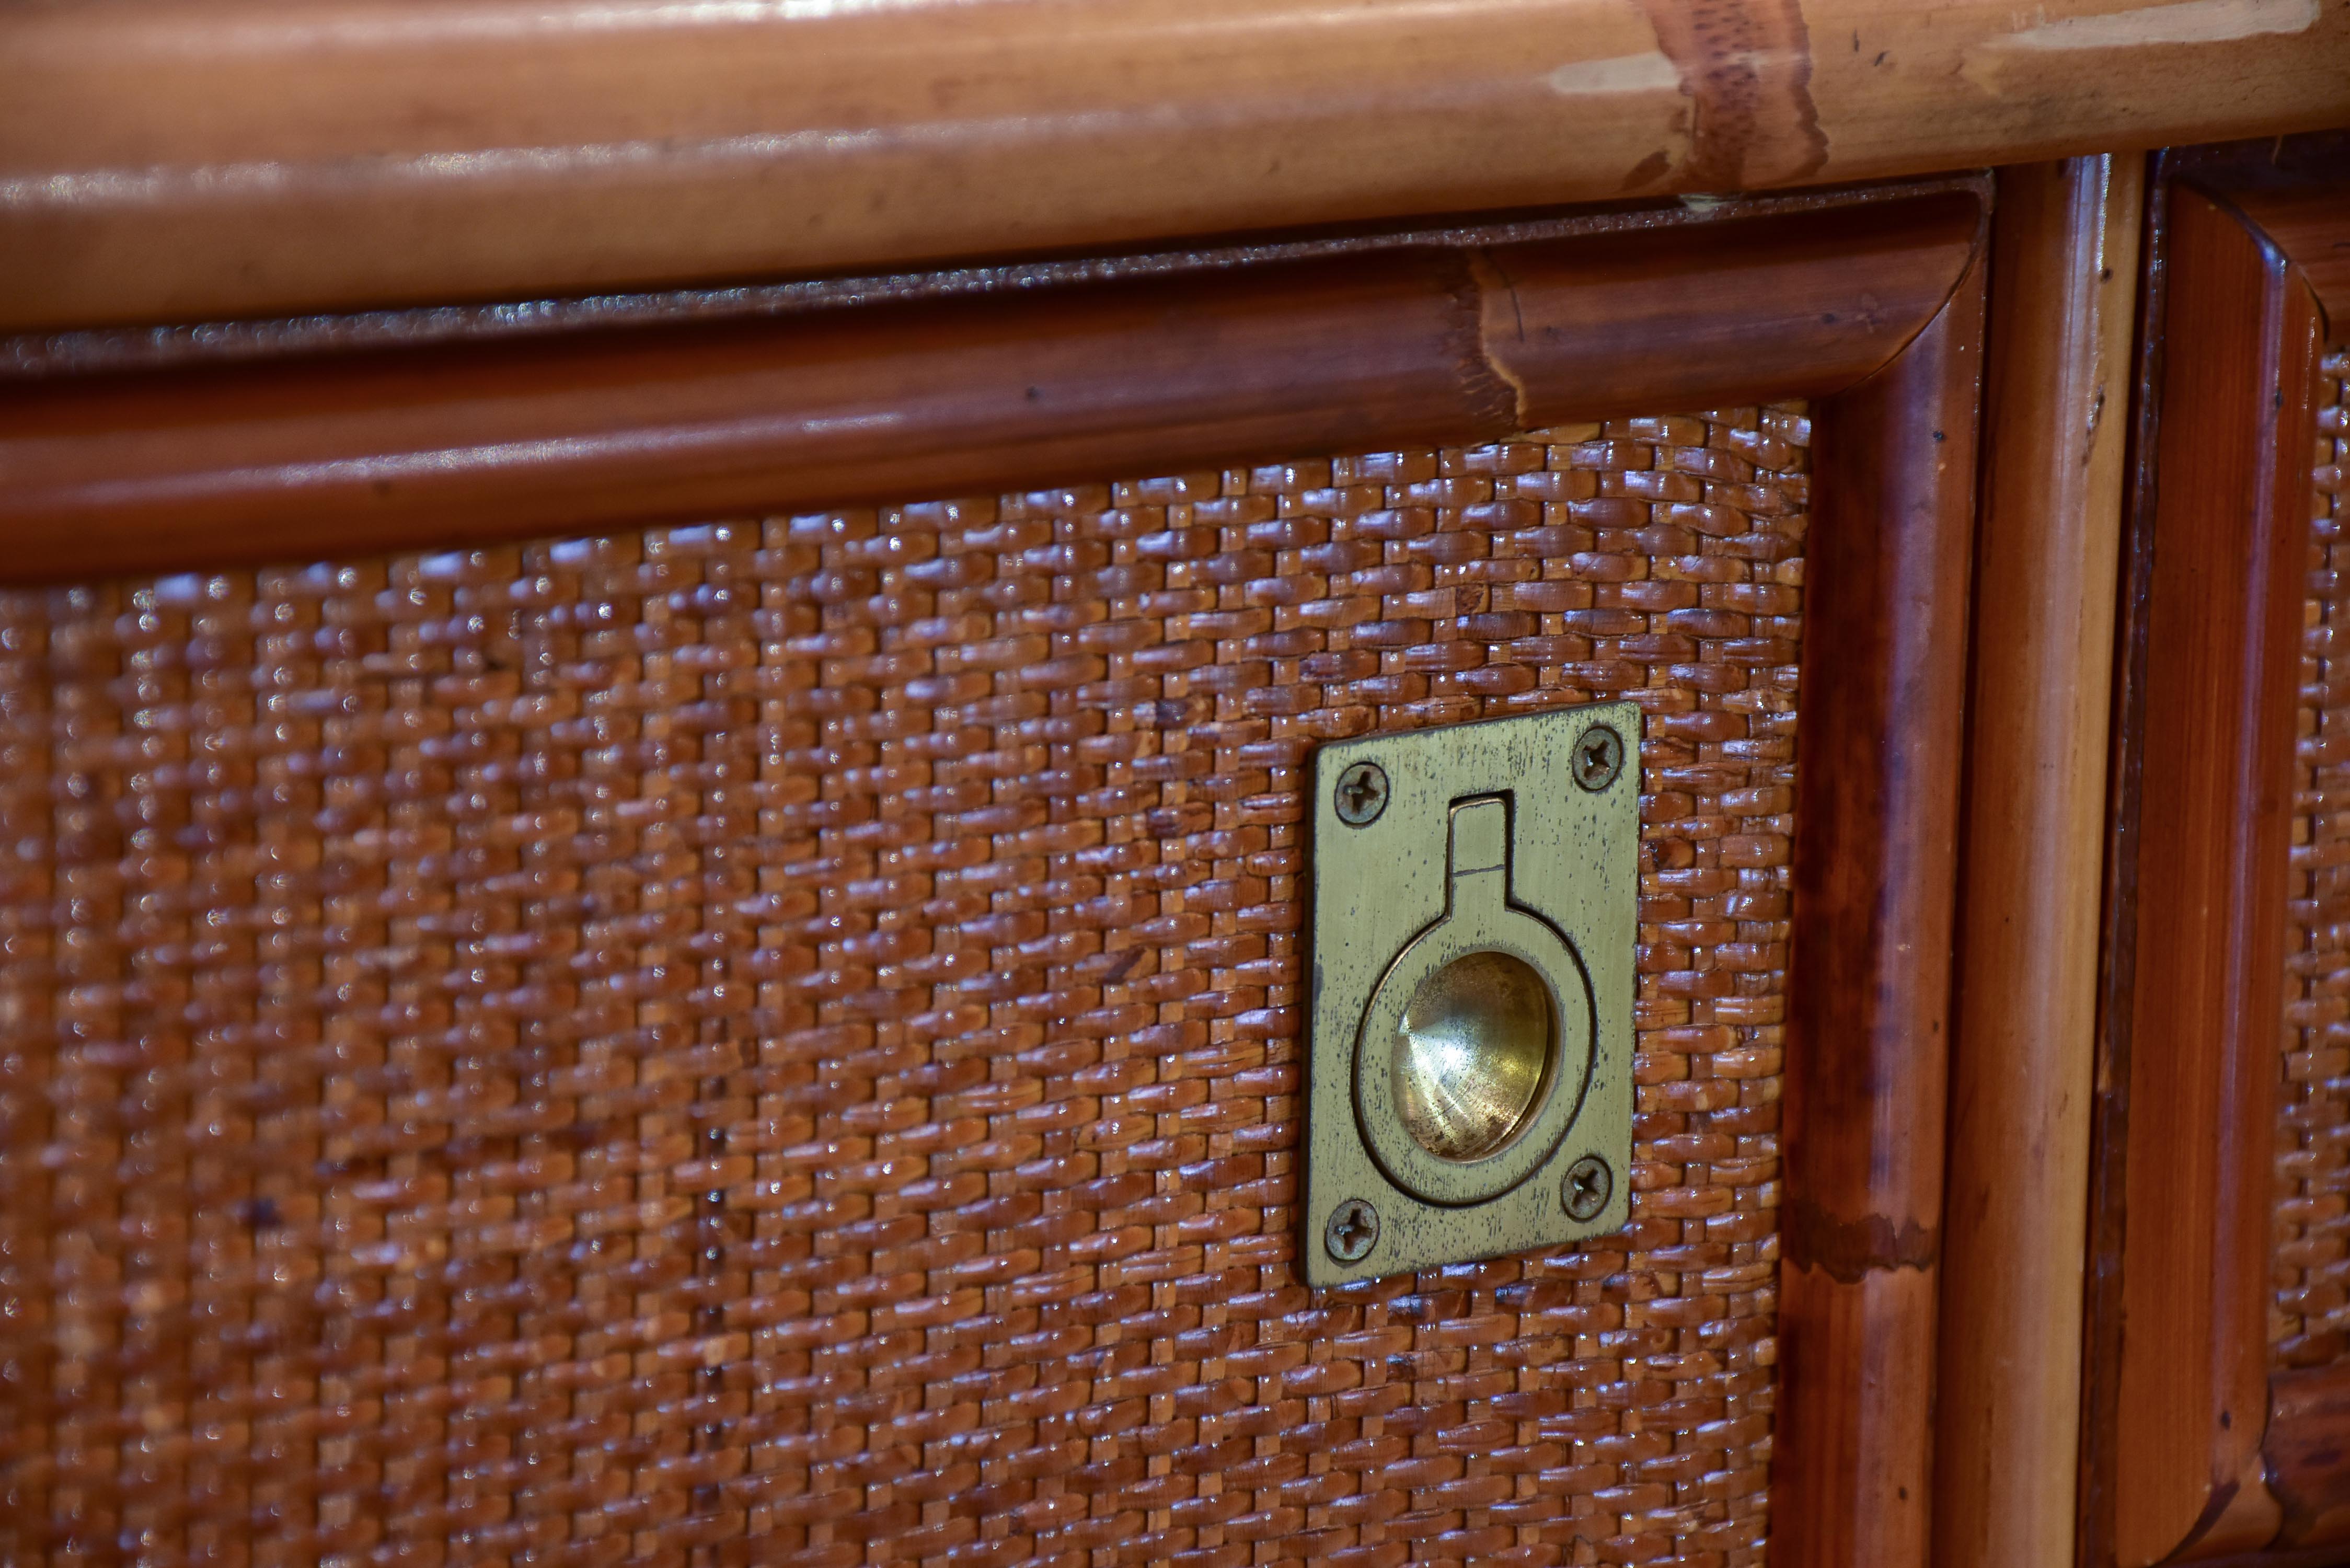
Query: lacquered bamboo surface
(165, 160)
(2064, 276)
(1869, 979)
(501, 441)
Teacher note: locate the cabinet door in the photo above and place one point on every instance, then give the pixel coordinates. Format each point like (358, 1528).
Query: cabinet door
(2218, 1388)
(683, 945)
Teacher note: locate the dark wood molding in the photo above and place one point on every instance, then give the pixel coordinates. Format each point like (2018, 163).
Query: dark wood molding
(399, 449)
(1883, 698)
(2289, 189)
(52, 355)
(2117, 955)
(2178, 1398)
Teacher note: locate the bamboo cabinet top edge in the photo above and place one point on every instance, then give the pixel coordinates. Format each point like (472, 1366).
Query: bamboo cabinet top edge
(231, 157)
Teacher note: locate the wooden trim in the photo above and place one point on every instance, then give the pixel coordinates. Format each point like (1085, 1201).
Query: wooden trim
(2064, 282)
(2289, 189)
(2307, 226)
(36, 356)
(2109, 1117)
(502, 441)
(1882, 697)
(2175, 1469)
(1877, 311)
(1430, 345)
(166, 160)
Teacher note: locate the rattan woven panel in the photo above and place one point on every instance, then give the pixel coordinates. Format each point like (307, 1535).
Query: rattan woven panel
(778, 1042)
(2311, 1323)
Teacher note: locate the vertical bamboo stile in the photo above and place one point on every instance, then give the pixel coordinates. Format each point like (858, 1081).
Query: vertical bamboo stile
(1884, 689)
(2007, 1415)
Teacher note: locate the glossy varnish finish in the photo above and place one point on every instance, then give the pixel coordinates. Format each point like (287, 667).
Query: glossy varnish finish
(1884, 678)
(38, 355)
(2306, 225)
(778, 1042)
(170, 159)
(2228, 521)
(2064, 274)
(1476, 333)
(380, 451)
(2291, 189)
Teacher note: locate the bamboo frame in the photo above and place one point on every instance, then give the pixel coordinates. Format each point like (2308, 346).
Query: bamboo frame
(2064, 276)
(1472, 339)
(1875, 309)
(1883, 698)
(2189, 1454)
(175, 161)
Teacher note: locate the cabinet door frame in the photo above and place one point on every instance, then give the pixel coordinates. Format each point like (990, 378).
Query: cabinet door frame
(1869, 302)
(2191, 1450)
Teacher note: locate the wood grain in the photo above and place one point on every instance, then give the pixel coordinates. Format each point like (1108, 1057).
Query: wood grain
(2229, 522)
(2308, 226)
(1883, 696)
(49, 356)
(2295, 190)
(2308, 1452)
(399, 449)
(168, 160)
(2063, 281)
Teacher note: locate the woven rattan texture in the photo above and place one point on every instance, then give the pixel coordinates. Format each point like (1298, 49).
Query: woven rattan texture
(777, 1041)
(2310, 1326)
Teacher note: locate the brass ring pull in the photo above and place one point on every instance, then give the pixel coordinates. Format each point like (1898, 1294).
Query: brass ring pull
(1475, 1048)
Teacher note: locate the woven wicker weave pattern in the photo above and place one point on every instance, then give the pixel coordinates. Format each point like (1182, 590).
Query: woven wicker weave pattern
(2311, 1323)
(778, 1042)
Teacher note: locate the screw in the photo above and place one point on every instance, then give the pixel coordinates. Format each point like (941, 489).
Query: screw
(1361, 794)
(1353, 1231)
(1598, 757)
(1585, 1191)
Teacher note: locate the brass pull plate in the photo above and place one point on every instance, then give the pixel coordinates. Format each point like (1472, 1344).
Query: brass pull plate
(1475, 908)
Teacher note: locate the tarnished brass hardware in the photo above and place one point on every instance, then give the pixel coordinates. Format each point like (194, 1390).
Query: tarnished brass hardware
(1472, 986)
(1598, 757)
(1361, 794)
(1585, 1191)
(1353, 1231)
(1461, 1113)
(1472, 1052)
